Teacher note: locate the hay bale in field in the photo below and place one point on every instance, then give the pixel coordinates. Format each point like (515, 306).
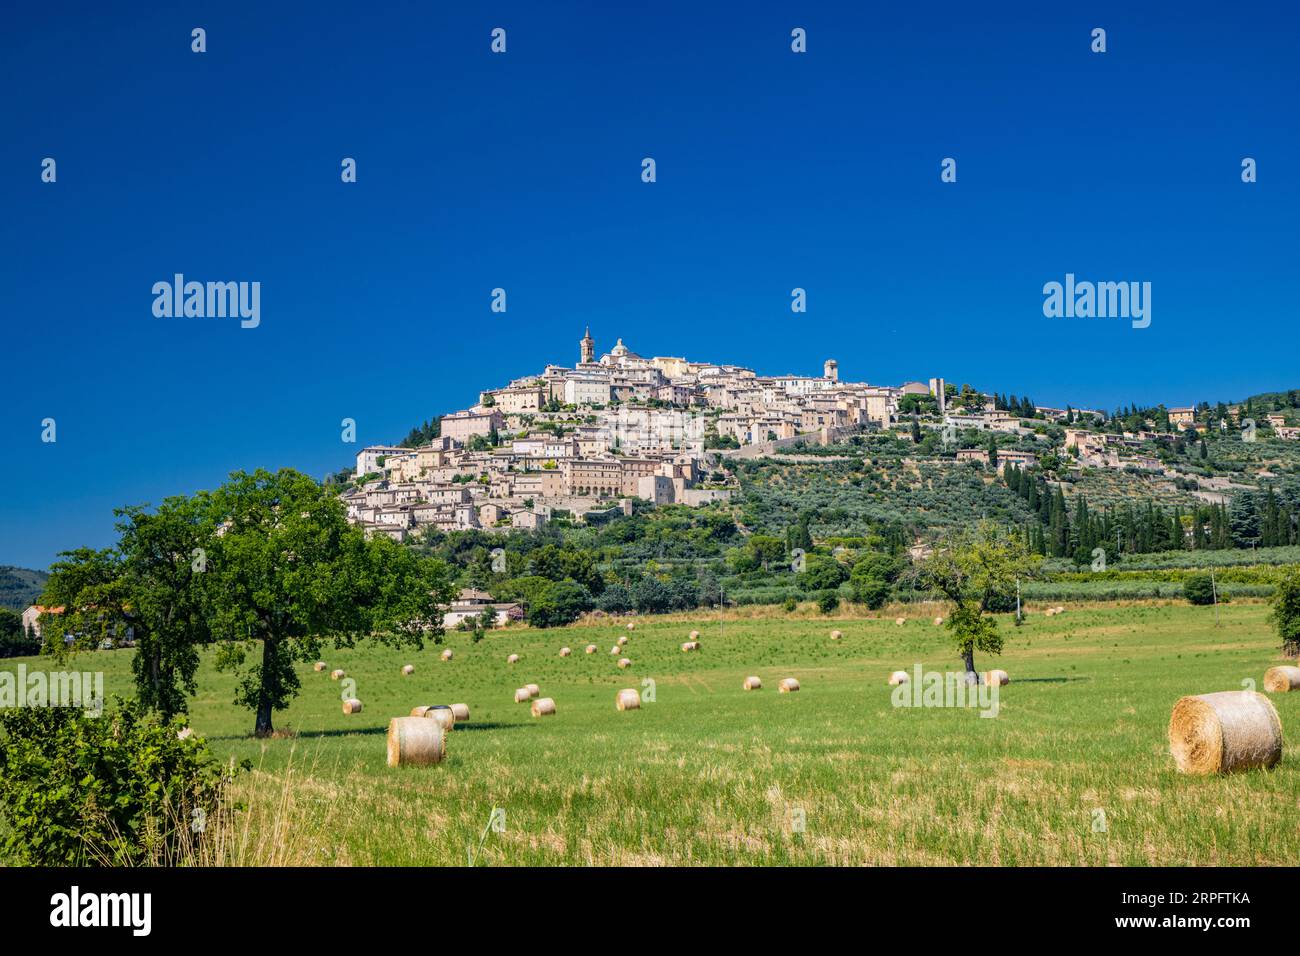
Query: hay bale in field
(616, 649)
(318, 666)
(533, 690)
(624, 662)
(522, 696)
(691, 646)
(590, 649)
(898, 677)
(512, 659)
(900, 621)
(622, 641)
(447, 655)
(421, 710)
(352, 706)
(543, 707)
(996, 678)
(443, 715)
(938, 621)
(338, 675)
(1050, 612)
(414, 741)
(788, 685)
(1280, 680)
(631, 626)
(1060, 610)
(836, 635)
(694, 635)
(753, 683)
(1223, 732)
(460, 712)
(565, 652)
(408, 670)
(627, 699)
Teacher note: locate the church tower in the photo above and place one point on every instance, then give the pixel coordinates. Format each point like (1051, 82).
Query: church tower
(588, 346)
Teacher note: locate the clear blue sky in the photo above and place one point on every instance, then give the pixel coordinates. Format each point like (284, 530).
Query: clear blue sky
(775, 170)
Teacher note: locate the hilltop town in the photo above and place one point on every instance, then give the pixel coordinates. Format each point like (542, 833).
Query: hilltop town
(593, 437)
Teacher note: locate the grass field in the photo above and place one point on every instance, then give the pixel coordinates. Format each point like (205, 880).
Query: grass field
(711, 774)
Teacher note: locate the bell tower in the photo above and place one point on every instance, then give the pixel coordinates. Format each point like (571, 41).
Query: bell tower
(588, 346)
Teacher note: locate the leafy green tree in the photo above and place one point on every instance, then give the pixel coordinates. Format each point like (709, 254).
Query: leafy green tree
(286, 569)
(1286, 611)
(1199, 589)
(150, 586)
(563, 602)
(873, 592)
(972, 569)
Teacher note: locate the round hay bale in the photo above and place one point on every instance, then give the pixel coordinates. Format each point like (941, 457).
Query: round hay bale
(352, 706)
(624, 662)
(533, 690)
(446, 655)
(443, 715)
(338, 675)
(512, 659)
(421, 710)
(996, 678)
(1223, 732)
(543, 707)
(836, 635)
(565, 652)
(622, 641)
(460, 712)
(898, 677)
(1060, 610)
(1281, 680)
(938, 621)
(590, 649)
(616, 649)
(691, 646)
(694, 635)
(522, 695)
(414, 741)
(319, 666)
(627, 699)
(753, 683)
(900, 621)
(788, 685)
(408, 670)
(631, 626)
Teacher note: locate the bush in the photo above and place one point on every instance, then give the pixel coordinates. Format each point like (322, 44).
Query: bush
(1198, 589)
(561, 603)
(828, 601)
(789, 604)
(615, 600)
(120, 789)
(873, 592)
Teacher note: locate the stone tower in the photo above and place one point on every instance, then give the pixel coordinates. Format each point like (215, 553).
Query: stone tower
(832, 370)
(588, 346)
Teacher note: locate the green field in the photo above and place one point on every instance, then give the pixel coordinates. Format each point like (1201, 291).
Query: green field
(711, 774)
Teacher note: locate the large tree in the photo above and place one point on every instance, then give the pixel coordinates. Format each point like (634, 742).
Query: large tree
(287, 570)
(147, 587)
(976, 569)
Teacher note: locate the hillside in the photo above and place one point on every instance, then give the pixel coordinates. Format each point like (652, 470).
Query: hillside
(19, 587)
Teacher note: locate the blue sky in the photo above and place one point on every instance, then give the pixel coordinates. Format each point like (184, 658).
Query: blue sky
(522, 170)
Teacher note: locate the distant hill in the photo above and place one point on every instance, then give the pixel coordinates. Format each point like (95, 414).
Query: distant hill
(19, 587)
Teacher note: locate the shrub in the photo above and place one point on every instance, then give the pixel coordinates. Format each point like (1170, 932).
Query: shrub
(120, 789)
(873, 592)
(828, 601)
(561, 603)
(789, 604)
(1198, 589)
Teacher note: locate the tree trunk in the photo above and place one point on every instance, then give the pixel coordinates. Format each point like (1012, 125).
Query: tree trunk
(264, 728)
(968, 656)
